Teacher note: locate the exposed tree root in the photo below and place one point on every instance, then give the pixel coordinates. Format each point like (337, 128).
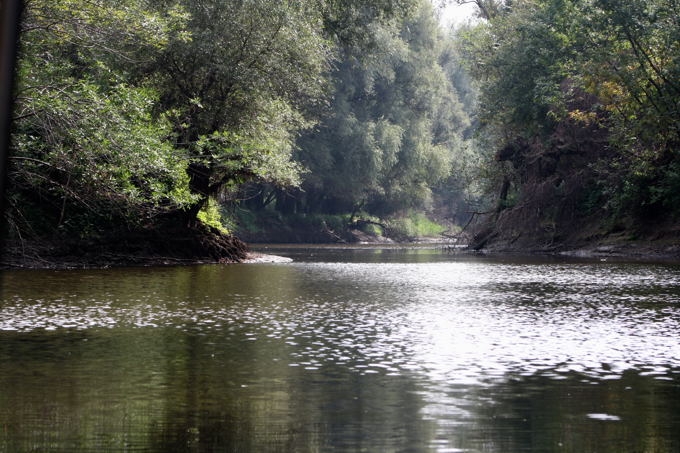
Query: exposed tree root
(170, 245)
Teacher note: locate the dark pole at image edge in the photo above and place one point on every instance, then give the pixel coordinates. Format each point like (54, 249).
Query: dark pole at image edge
(10, 14)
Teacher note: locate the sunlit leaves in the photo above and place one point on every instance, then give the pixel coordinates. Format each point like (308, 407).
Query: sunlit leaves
(86, 143)
(261, 151)
(103, 149)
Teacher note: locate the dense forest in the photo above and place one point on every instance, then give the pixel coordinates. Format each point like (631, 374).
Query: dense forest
(166, 127)
(383, 155)
(579, 109)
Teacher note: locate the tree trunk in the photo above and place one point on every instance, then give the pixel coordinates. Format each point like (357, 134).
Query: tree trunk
(199, 184)
(503, 196)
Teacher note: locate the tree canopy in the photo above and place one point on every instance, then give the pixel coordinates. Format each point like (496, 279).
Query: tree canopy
(87, 146)
(393, 128)
(138, 112)
(138, 109)
(147, 109)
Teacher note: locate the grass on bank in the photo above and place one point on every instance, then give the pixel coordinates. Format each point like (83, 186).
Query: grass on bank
(272, 226)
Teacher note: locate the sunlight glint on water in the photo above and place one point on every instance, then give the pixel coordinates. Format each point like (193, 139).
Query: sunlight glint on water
(452, 343)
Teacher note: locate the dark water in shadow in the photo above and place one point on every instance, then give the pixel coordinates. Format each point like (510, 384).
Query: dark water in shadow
(343, 350)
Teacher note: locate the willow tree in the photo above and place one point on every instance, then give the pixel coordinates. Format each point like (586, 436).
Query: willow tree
(393, 120)
(238, 84)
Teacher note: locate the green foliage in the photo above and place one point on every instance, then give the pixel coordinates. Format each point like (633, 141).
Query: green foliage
(667, 190)
(588, 76)
(132, 110)
(415, 225)
(86, 145)
(211, 216)
(335, 222)
(393, 127)
(137, 110)
(518, 59)
(249, 221)
(358, 24)
(373, 230)
(240, 89)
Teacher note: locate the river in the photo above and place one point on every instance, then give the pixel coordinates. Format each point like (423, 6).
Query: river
(344, 350)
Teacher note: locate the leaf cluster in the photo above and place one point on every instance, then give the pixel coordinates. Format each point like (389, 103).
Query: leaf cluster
(135, 110)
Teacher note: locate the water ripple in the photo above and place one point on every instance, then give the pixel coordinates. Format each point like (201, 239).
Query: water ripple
(452, 322)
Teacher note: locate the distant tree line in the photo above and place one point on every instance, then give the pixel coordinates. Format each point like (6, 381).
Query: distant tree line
(393, 127)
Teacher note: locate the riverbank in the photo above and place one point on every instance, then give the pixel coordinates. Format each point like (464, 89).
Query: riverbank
(614, 248)
(513, 230)
(36, 262)
(212, 248)
(165, 246)
(633, 250)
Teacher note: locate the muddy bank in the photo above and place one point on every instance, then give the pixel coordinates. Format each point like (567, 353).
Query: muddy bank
(154, 247)
(531, 228)
(634, 250)
(618, 246)
(166, 247)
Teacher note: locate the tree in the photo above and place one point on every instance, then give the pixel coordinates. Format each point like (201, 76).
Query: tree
(394, 120)
(238, 88)
(87, 150)
(632, 64)
(578, 100)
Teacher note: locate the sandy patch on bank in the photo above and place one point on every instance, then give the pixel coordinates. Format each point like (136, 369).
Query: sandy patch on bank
(264, 258)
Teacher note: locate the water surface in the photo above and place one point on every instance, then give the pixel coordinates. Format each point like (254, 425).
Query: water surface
(344, 349)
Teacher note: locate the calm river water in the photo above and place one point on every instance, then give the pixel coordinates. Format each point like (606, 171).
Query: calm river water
(343, 350)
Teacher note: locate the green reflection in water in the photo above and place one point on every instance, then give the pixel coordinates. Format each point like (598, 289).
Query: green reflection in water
(165, 390)
(573, 414)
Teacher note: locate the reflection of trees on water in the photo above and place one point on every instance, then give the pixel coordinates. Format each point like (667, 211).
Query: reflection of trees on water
(250, 400)
(179, 390)
(215, 372)
(77, 390)
(574, 414)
